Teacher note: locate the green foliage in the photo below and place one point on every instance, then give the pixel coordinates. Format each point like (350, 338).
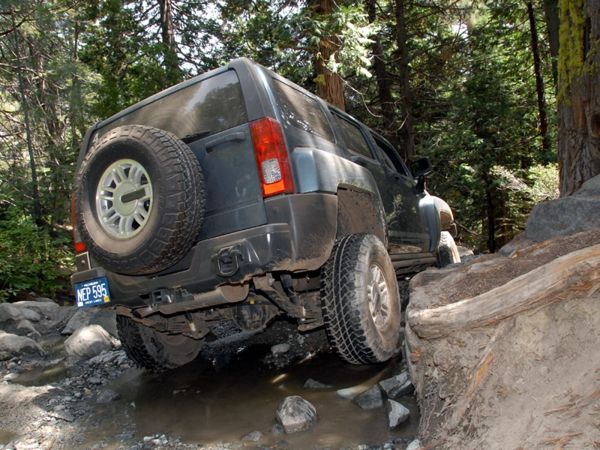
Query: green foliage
(31, 258)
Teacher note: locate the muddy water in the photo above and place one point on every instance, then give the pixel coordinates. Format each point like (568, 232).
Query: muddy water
(204, 405)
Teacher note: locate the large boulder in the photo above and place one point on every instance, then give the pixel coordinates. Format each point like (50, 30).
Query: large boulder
(92, 316)
(567, 215)
(296, 414)
(12, 312)
(17, 345)
(88, 342)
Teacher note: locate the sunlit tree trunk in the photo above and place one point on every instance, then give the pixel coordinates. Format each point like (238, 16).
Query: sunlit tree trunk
(330, 85)
(579, 93)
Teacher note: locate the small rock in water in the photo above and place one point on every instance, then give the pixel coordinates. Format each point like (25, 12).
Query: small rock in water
(397, 386)
(397, 413)
(314, 384)
(277, 429)
(107, 396)
(414, 445)
(370, 399)
(253, 436)
(280, 348)
(296, 414)
(351, 392)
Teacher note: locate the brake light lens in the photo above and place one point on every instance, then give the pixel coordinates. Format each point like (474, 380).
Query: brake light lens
(77, 244)
(271, 157)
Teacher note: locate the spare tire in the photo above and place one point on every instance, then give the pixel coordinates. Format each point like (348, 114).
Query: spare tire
(140, 199)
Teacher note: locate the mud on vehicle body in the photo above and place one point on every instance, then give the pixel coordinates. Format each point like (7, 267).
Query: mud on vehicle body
(207, 210)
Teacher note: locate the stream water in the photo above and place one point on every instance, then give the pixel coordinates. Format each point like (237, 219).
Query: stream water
(203, 405)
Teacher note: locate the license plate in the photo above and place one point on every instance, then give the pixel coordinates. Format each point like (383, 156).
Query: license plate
(92, 292)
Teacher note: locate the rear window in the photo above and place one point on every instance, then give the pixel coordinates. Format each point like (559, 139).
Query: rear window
(353, 137)
(207, 107)
(301, 111)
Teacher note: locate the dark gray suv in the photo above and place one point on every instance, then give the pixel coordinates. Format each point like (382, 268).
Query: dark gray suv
(209, 209)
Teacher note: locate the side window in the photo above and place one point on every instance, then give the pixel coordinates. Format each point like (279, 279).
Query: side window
(208, 107)
(353, 137)
(390, 156)
(301, 111)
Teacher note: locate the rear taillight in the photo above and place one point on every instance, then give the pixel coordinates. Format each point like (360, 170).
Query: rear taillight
(77, 244)
(271, 157)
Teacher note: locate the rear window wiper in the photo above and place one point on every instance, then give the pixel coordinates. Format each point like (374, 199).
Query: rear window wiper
(194, 136)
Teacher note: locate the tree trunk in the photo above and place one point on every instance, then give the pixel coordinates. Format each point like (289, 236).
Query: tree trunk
(382, 77)
(539, 81)
(579, 93)
(171, 62)
(406, 131)
(37, 207)
(330, 85)
(551, 15)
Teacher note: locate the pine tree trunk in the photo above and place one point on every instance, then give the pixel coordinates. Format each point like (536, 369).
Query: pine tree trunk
(171, 62)
(551, 15)
(37, 207)
(579, 93)
(406, 132)
(539, 81)
(382, 77)
(329, 84)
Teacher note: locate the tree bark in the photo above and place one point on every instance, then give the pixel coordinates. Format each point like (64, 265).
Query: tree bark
(330, 85)
(539, 81)
(171, 62)
(382, 77)
(406, 131)
(579, 93)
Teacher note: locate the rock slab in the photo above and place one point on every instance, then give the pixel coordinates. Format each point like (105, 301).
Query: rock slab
(567, 215)
(296, 414)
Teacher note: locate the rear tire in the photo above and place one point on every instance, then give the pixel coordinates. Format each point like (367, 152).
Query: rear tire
(361, 302)
(447, 250)
(140, 199)
(153, 350)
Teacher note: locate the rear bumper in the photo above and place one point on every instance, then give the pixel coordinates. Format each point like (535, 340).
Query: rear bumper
(299, 236)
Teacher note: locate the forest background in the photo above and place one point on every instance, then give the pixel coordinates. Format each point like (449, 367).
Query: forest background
(478, 86)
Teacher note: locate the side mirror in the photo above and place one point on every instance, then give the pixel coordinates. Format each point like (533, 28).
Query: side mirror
(421, 167)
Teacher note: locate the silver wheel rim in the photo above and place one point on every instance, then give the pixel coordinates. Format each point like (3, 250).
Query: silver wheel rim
(124, 199)
(378, 296)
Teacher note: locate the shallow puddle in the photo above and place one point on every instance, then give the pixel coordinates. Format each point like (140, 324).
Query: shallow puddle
(202, 405)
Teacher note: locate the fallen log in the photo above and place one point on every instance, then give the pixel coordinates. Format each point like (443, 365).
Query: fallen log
(576, 271)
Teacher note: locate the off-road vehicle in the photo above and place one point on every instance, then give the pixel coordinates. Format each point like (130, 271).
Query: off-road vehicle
(209, 209)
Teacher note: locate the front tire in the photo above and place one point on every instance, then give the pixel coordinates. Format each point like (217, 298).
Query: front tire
(361, 301)
(153, 350)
